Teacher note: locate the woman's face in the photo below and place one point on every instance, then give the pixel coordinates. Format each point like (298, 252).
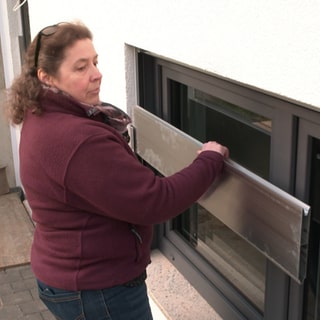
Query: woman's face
(78, 74)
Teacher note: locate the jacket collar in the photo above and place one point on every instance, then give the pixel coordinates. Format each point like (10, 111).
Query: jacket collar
(52, 99)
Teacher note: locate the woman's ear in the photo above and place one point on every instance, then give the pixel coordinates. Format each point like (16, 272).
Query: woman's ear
(44, 77)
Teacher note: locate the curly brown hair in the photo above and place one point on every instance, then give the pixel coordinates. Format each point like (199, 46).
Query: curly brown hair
(46, 51)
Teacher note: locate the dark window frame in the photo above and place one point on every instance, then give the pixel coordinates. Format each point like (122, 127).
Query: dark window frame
(283, 296)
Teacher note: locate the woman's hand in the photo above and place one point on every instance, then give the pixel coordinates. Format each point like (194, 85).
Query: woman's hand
(215, 146)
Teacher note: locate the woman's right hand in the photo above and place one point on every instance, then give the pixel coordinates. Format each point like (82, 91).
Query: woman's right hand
(215, 146)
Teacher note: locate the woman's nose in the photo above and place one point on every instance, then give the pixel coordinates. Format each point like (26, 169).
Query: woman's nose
(96, 74)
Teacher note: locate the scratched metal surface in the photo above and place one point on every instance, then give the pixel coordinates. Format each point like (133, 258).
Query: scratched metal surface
(267, 217)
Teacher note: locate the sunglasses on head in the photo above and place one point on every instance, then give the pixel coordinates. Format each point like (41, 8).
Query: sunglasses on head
(45, 32)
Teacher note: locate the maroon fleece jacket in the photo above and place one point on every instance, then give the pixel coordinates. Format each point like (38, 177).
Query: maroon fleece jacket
(87, 190)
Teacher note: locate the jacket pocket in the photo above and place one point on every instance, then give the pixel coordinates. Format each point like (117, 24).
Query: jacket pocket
(138, 242)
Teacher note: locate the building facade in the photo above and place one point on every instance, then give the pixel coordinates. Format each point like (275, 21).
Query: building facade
(243, 73)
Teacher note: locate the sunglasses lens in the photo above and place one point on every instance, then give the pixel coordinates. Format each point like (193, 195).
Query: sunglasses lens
(48, 31)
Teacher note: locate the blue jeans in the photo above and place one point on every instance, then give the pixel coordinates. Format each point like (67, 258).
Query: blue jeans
(117, 303)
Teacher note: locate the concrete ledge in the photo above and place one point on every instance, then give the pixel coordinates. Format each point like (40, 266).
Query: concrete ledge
(173, 294)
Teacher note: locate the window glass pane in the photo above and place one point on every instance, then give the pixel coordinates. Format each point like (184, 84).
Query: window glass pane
(234, 258)
(234, 111)
(247, 135)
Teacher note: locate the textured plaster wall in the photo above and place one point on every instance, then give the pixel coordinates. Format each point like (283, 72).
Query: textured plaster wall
(272, 45)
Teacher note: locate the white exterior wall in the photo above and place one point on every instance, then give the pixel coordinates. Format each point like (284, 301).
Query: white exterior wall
(273, 45)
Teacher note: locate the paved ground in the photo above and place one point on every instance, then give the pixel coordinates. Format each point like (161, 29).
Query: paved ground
(171, 296)
(19, 297)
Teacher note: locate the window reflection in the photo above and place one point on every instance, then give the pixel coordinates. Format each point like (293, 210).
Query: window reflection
(236, 259)
(247, 135)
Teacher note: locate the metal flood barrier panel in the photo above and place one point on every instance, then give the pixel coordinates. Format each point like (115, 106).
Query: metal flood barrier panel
(270, 219)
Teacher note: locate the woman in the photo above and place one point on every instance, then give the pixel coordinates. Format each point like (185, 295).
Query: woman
(93, 202)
